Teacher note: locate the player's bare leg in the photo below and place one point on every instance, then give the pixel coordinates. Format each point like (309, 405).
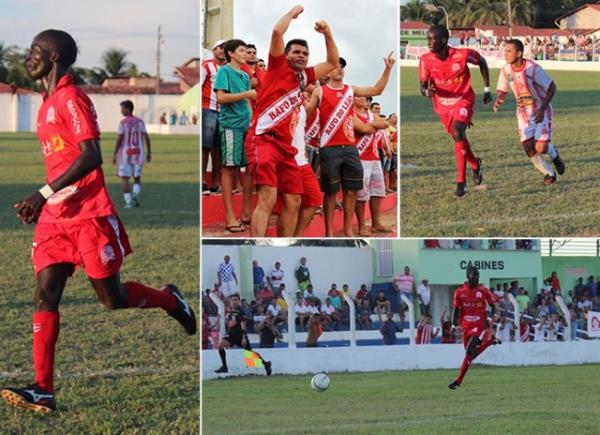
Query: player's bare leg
(247, 189)
(475, 347)
(136, 190)
(266, 198)
(328, 209)
(304, 218)
(126, 192)
(360, 216)
(349, 207)
(547, 148)
(227, 180)
(463, 155)
(375, 207)
(215, 154)
(289, 214)
(538, 160)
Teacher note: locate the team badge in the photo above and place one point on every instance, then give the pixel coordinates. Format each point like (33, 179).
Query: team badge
(349, 129)
(478, 294)
(50, 115)
(107, 255)
(455, 67)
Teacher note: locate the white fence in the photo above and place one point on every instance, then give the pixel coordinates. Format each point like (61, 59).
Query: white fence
(546, 64)
(414, 357)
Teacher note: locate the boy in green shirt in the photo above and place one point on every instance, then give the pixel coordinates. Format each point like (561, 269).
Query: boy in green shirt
(232, 86)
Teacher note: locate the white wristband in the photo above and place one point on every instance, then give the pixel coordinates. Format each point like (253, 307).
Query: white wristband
(46, 191)
(486, 89)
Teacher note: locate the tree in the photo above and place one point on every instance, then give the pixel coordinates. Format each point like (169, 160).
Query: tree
(89, 76)
(115, 62)
(485, 12)
(414, 10)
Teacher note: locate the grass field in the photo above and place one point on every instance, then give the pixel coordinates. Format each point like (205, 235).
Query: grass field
(128, 371)
(493, 400)
(513, 202)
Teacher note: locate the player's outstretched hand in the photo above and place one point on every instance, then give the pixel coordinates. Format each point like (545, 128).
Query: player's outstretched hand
(322, 26)
(296, 11)
(487, 97)
(389, 60)
(28, 210)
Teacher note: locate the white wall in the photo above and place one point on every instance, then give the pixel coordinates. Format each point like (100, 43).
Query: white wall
(210, 258)
(402, 357)
(546, 64)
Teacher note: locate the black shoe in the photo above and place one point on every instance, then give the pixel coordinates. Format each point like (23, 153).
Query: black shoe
(478, 174)
(496, 341)
(205, 189)
(549, 179)
(184, 313)
(559, 164)
(454, 385)
(222, 370)
(267, 365)
(31, 397)
(215, 189)
(461, 189)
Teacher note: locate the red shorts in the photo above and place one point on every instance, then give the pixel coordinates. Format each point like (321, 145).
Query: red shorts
(484, 332)
(461, 113)
(312, 195)
(99, 244)
(272, 166)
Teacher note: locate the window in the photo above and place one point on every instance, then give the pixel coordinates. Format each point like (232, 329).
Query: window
(385, 255)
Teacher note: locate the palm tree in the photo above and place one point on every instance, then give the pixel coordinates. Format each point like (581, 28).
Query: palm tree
(115, 62)
(485, 12)
(414, 10)
(522, 12)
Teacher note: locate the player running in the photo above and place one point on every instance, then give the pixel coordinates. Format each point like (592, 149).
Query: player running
(77, 222)
(445, 77)
(533, 90)
(131, 149)
(235, 335)
(470, 306)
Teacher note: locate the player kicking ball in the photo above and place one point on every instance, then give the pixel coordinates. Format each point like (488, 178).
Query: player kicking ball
(76, 220)
(533, 90)
(444, 76)
(470, 307)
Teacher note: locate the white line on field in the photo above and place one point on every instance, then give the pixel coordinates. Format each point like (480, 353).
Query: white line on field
(136, 371)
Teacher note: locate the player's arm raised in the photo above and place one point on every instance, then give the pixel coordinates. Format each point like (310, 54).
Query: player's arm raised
(333, 57)
(379, 86)
(277, 45)
(90, 158)
(539, 115)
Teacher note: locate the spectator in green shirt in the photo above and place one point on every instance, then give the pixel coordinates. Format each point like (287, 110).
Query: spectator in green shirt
(302, 274)
(523, 300)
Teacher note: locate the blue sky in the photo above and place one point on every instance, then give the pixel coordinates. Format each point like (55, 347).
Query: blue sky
(127, 24)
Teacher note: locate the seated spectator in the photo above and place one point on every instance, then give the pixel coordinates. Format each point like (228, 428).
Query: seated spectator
(315, 330)
(282, 304)
(506, 307)
(389, 329)
(265, 296)
(258, 314)
(309, 293)
(363, 294)
(552, 328)
(279, 290)
(504, 328)
(382, 305)
(302, 311)
(268, 332)
(543, 310)
(448, 334)
(363, 315)
(344, 313)
(346, 290)
(523, 300)
(205, 331)
(540, 330)
(275, 309)
(584, 303)
(330, 315)
(336, 296)
(208, 306)
(524, 328)
(248, 315)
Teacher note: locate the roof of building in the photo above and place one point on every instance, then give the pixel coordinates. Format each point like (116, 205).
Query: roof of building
(6, 88)
(595, 6)
(414, 25)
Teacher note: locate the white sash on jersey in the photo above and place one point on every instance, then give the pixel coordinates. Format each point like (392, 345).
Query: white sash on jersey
(363, 144)
(313, 130)
(337, 116)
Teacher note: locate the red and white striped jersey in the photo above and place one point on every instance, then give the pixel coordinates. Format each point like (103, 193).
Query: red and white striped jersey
(524, 332)
(529, 83)
(365, 142)
(208, 72)
(133, 145)
(424, 333)
(336, 110)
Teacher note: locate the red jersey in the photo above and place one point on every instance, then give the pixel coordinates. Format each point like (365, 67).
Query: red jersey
(279, 100)
(257, 74)
(65, 119)
(336, 110)
(365, 143)
(472, 304)
(208, 72)
(450, 77)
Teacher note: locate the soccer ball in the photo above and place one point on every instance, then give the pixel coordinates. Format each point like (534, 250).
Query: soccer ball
(320, 382)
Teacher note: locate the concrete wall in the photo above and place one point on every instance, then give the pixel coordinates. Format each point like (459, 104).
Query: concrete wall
(341, 265)
(569, 269)
(423, 357)
(546, 64)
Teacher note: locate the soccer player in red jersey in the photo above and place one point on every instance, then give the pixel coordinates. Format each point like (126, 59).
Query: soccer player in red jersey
(444, 76)
(470, 303)
(269, 141)
(76, 220)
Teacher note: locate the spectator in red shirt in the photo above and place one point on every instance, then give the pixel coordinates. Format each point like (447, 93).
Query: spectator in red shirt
(265, 296)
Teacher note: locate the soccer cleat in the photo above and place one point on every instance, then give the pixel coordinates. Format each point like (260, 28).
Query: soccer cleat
(559, 164)
(184, 313)
(136, 201)
(461, 189)
(454, 385)
(128, 205)
(478, 174)
(549, 179)
(267, 365)
(31, 397)
(222, 370)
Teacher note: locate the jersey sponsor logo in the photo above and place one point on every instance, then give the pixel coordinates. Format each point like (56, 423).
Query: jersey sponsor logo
(107, 255)
(51, 115)
(338, 116)
(38, 397)
(472, 318)
(62, 195)
(449, 101)
(74, 117)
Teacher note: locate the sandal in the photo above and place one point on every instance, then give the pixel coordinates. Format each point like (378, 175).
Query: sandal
(239, 228)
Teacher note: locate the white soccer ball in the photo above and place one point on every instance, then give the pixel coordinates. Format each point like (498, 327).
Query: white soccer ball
(320, 382)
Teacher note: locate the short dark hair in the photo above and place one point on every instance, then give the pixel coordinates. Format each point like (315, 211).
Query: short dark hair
(251, 46)
(374, 103)
(295, 41)
(440, 31)
(517, 44)
(232, 45)
(63, 43)
(127, 104)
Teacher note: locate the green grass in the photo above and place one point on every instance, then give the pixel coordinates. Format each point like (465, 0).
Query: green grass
(514, 202)
(127, 371)
(493, 400)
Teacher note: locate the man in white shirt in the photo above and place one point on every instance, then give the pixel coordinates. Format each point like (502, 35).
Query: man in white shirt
(504, 328)
(276, 278)
(424, 294)
(540, 330)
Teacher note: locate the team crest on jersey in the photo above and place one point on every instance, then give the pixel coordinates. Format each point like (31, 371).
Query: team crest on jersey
(294, 120)
(510, 77)
(349, 129)
(107, 255)
(50, 115)
(463, 111)
(478, 294)
(455, 67)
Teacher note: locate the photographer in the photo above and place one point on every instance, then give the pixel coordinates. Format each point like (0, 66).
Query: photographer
(268, 332)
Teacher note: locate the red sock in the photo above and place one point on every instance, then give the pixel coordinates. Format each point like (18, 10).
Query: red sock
(483, 346)
(463, 154)
(464, 367)
(46, 326)
(140, 296)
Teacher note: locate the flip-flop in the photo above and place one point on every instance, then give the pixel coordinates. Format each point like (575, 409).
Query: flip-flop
(246, 221)
(239, 228)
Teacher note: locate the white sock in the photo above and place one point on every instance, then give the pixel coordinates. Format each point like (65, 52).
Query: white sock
(127, 197)
(542, 164)
(137, 189)
(552, 152)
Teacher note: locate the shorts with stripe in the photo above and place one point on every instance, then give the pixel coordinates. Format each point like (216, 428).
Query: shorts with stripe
(232, 147)
(98, 244)
(340, 168)
(373, 182)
